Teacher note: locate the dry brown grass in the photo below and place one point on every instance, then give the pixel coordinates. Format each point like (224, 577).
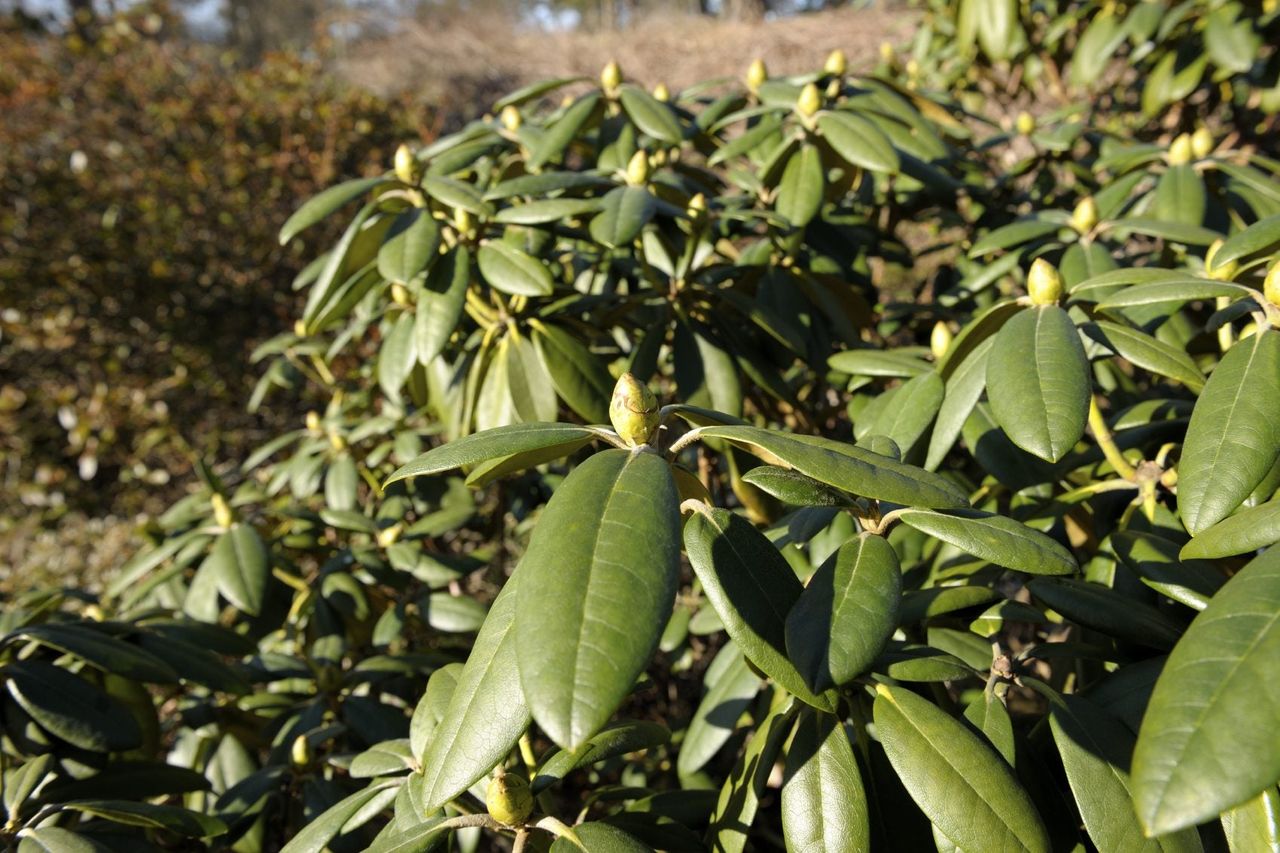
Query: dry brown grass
(474, 58)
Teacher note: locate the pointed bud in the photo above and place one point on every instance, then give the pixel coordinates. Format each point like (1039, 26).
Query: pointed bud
(389, 536)
(1271, 285)
(638, 169)
(299, 328)
(697, 208)
(1180, 150)
(1085, 216)
(462, 221)
(1201, 142)
(510, 117)
(661, 93)
(509, 799)
(912, 69)
(810, 101)
(836, 63)
(633, 411)
(1025, 123)
(222, 514)
(399, 294)
(887, 53)
(1221, 272)
(611, 77)
(300, 751)
(1044, 285)
(940, 339)
(756, 74)
(337, 442)
(406, 166)
(313, 423)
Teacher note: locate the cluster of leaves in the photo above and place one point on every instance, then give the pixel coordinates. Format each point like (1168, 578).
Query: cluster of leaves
(975, 561)
(145, 182)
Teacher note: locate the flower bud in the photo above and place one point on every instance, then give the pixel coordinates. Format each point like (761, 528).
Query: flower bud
(1202, 142)
(222, 514)
(1085, 216)
(1025, 123)
(509, 799)
(406, 167)
(1044, 285)
(697, 209)
(940, 339)
(462, 221)
(661, 93)
(399, 294)
(313, 423)
(756, 74)
(299, 328)
(337, 442)
(510, 117)
(836, 63)
(810, 101)
(887, 53)
(913, 69)
(633, 411)
(1224, 272)
(611, 76)
(300, 751)
(638, 169)
(1271, 285)
(1180, 150)
(389, 536)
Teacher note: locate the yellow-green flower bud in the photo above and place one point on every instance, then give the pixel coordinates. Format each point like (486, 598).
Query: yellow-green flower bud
(1223, 272)
(1202, 142)
(836, 63)
(389, 536)
(462, 221)
(336, 441)
(757, 73)
(661, 93)
(399, 294)
(1025, 124)
(1044, 285)
(222, 514)
(406, 167)
(633, 411)
(697, 208)
(887, 53)
(313, 423)
(810, 101)
(611, 76)
(912, 69)
(509, 800)
(940, 339)
(1085, 216)
(1180, 150)
(638, 169)
(1271, 285)
(299, 328)
(300, 751)
(510, 117)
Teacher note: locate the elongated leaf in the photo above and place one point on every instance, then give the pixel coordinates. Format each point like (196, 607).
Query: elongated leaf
(581, 380)
(1171, 292)
(547, 210)
(1262, 237)
(486, 713)
(599, 837)
(653, 117)
(440, 303)
(718, 713)
(70, 708)
(963, 389)
(458, 194)
(858, 141)
(173, 818)
(51, 839)
(915, 403)
(397, 356)
(598, 584)
(1180, 195)
(560, 134)
(824, 806)
(841, 622)
(1208, 740)
(1234, 435)
(740, 794)
(425, 834)
(869, 362)
(412, 244)
(1254, 825)
(849, 468)
(803, 183)
(510, 270)
(617, 739)
(752, 588)
(1014, 234)
(623, 214)
(1038, 382)
(492, 444)
(316, 835)
(325, 203)
(100, 649)
(793, 487)
(1103, 609)
(242, 567)
(994, 538)
(1155, 560)
(1246, 531)
(1147, 352)
(960, 783)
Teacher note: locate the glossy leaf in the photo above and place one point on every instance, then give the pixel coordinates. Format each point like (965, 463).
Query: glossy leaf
(70, 708)
(1103, 609)
(995, 538)
(1246, 531)
(718, 713)
(492, 444)
(510, 270)
(412, 244)
(801, 190)
(623, 214)
(652, 116)
(324, 203)
(858, 141)
(440, 303)
(242, 566)
(616, 739)
(794, 488)
(824, 807)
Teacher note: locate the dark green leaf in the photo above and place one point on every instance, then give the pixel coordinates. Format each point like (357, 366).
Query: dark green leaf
(824, 807)
(653, 117)
(803, 184)
(492, 444)
(994, 538)
(623, 214)
(616, 739)
(510, 270)
(858, 141)
(325, 203)
(1103, 609)
(242, 566)
(1246, 531)
(411, 245)
(440, 303)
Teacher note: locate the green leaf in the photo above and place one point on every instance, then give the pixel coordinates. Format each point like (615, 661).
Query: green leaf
(1246, 531)
(824, 806)
(599, 837)
(1254, 825)
(534, 90)
(740, 794)
(858, 141)
(598, 583)
(492, 444)
(1176, 232)
(1095, 749)
(1038, 382)
(101, 650)
(1155, 560)
(963, 389)
(561, 133)
(849, 468)
(1146, 352)
(623, 214)
(1103, 609)
(580, 377)
(315, 836)
(793, 488)
(70, 708)
(915, 404)
(424, 835)
(1234, 437)
(718, 713)
(1208, 740)
(960, 783)
(1260, 238)
(486, 713)
(1173, 292)
(440, 303)
(457, 194)
(547, 210)
(325, 203)
(397, 356)
(152, 816)
(846, 614)
(510, 270)
(1014, 234)
(801, 189)
(617, 739)
(994, 538)
(242, 566)
(51, 839)
(752, 588)
(653, 117)
(1180, 196)
(874, 362)
(411, 245)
